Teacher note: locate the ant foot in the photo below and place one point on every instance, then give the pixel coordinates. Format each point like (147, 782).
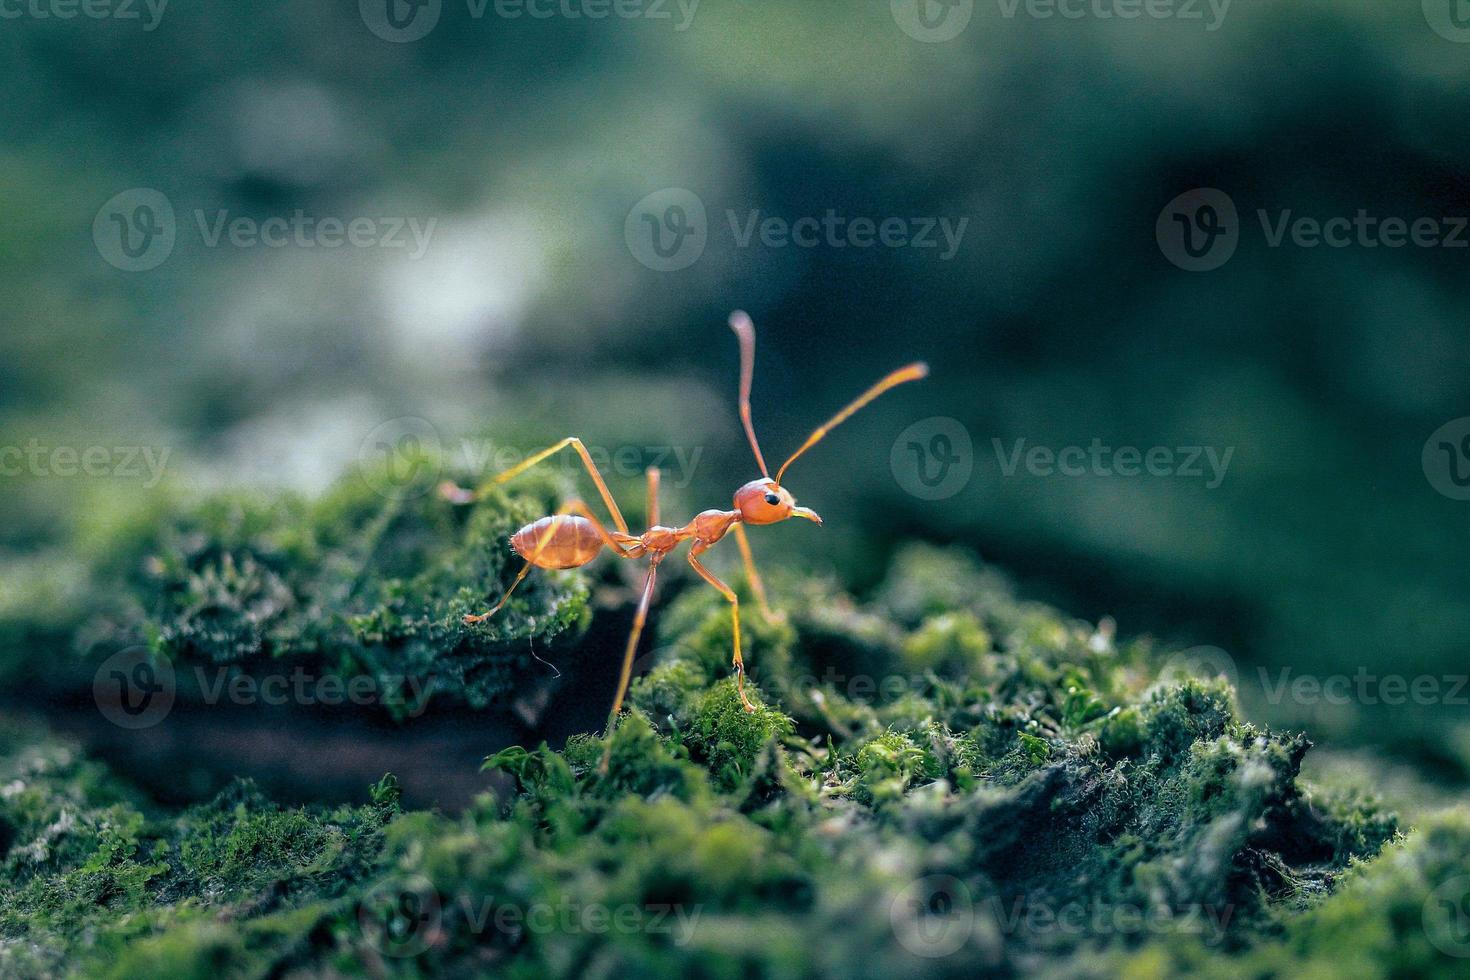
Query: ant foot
(456, 494)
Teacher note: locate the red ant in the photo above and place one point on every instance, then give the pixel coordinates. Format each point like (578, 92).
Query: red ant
(574, 536)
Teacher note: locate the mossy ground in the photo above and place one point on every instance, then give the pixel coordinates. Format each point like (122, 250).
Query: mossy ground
(941, 778)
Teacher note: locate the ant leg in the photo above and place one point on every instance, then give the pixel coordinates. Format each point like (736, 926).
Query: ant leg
(617, 541)
(756, 585)
(457, 495)
(639, 618)
(591, 467)
(470, 620)
(653, 481)
(734, 601)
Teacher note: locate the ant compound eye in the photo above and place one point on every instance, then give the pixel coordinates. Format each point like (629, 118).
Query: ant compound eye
(772, 499)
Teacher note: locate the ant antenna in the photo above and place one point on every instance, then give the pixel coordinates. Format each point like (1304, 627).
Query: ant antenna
(745, 330)
(913, 372)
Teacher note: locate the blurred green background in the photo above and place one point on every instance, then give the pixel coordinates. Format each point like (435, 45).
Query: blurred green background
(525, 149)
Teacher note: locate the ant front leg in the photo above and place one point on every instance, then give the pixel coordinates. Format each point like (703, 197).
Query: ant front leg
(734, 600)
(754, 577)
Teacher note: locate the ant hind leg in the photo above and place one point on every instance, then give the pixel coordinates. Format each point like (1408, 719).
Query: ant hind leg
(470, 620)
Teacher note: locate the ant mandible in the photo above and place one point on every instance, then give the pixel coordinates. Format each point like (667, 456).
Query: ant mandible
(573, 536)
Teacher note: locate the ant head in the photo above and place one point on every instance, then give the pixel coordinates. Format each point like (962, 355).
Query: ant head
(763, 502)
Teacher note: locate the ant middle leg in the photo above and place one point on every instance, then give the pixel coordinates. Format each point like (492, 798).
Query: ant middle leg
(754, 577)
(734, 601)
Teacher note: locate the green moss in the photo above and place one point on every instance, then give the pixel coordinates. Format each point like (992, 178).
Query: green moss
(984, 771)
(355, 585)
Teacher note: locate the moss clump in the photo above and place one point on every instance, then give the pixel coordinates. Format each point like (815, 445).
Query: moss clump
(98, 883)
(358, 585)
(1013, 795)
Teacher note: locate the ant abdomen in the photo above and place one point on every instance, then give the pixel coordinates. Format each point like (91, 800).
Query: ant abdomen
(564, 541)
